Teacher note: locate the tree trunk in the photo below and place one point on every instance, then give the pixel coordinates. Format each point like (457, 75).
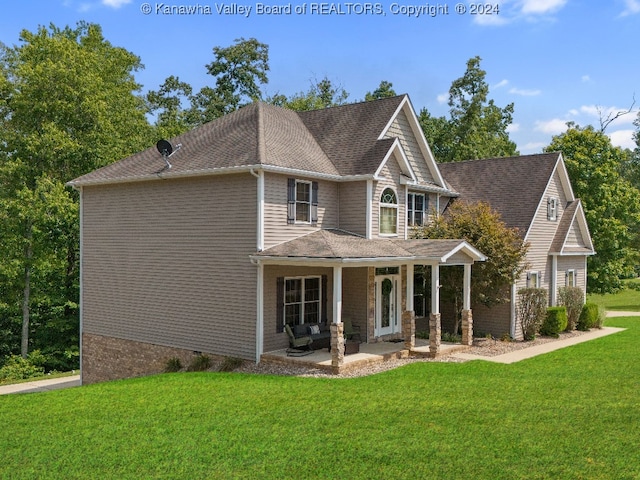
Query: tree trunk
(28, 256)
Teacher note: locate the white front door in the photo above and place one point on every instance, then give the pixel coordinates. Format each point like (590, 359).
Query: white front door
(387, 305)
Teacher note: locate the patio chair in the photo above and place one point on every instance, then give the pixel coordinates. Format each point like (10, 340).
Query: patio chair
(298, 346)
(350, 332)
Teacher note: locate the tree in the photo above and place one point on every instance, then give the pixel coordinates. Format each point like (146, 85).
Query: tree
(239, 71)
(482, 227)
(172, 118)
(384, 90)
(68, 105)
(611, 203)
(477, 128)
(322, 94)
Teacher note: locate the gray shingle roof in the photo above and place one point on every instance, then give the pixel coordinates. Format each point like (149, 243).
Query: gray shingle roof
(338, 244)
(338, 141)
(513, 186)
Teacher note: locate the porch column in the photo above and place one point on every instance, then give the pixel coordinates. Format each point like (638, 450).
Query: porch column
(467, 317)
(435, 326)
(409, 316)
(337, 327)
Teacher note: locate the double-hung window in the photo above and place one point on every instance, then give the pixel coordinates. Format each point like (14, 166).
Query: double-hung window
(533, 279)
(302, 300)
(302, 201)
(388, 212)
(417, 205)
(570, 278)
(552, 208)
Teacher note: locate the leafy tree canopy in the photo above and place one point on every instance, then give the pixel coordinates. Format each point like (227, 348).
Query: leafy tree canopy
(322, 94)
(384, 90)
(482, 227)
(476, 127)
(611, 203)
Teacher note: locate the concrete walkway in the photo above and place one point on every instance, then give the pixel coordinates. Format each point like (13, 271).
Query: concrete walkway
(41, 385)
(536, 350)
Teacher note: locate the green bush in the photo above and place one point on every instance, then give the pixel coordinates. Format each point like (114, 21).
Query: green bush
(554, 322)
(229, 364)
(590, 317)
(18, 368)
(173, 365)
(532, 303)
(572, 298)
(200, 363)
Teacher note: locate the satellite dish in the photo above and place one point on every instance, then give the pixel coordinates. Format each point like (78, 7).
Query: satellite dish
(164, 148)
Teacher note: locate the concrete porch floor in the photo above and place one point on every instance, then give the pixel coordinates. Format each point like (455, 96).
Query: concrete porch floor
(370, 353)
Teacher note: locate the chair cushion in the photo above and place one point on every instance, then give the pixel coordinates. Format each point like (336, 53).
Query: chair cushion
(300, 330)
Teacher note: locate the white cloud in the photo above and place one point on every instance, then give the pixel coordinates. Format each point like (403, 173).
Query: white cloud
(623, 138)
(585, 78)
(602, 113)
(540, 7)
(525, 93)
(532, 147)
(501, 83)
(632, 8)
(115, 3)
(514, 127)
(554, 126)
(443, 98)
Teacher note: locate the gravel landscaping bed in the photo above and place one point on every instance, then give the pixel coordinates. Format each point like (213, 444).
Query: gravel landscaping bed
(483, 347)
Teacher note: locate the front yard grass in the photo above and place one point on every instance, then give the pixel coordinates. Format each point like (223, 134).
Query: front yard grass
(627, 299)
(568, 414)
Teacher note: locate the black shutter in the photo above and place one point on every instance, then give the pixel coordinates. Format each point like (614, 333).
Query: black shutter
(324, 299)
(314, 202)
(280, 305)
(291, 200)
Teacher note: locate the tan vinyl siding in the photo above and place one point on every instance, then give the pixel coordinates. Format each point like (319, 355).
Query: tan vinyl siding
(401, 129)
(390, 175)
(542, 233)
(574, 237)
(573, 262)
(276, 229)
(353, 207)
(273, 340)
(167, 262)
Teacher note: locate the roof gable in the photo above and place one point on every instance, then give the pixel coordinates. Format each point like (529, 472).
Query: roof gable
(513, 186)
(572, 235)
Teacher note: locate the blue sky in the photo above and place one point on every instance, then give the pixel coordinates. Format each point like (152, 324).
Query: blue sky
(557, 60)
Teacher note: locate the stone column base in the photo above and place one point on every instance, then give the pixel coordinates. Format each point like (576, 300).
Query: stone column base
(435, 334)
(337, 345)
(409, 328)
(467, 327)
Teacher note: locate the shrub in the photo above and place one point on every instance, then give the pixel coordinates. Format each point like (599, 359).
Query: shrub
(588, 317)
(554, 322)
(18, 368)
(572, 298)
(229, 364)
(173, 365)
(200, 363)
(532, 304)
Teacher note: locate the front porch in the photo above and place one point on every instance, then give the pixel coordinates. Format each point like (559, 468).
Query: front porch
(369, 354)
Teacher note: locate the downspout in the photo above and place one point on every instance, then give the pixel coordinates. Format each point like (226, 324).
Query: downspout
(260, 273)
(553, 280)
(80, 293)
(369, 208)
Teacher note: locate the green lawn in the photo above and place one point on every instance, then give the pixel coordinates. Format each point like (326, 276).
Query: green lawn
(573, 413)
(626, 300)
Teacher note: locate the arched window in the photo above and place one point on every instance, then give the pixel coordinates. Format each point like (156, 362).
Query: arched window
(388, 212)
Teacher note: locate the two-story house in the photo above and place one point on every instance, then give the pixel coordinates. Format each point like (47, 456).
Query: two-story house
(263, 218)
